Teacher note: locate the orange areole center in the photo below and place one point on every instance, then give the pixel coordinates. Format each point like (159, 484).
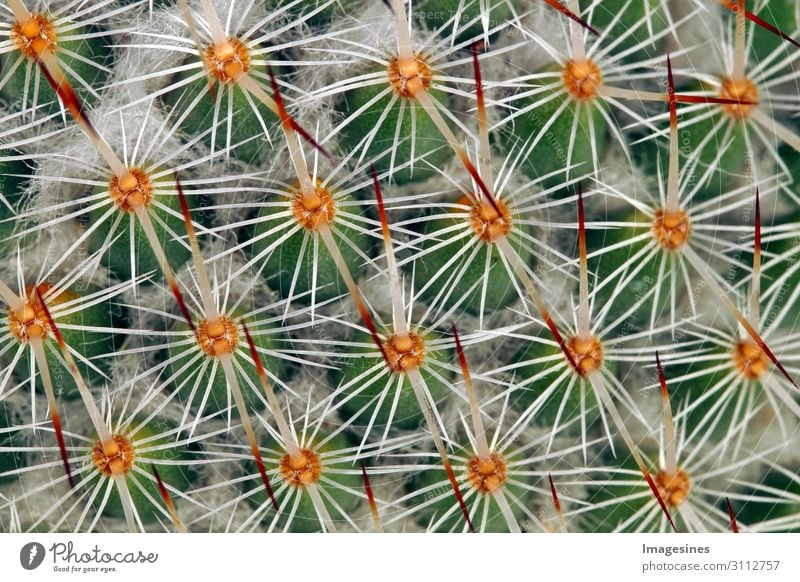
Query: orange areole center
(301, 469)
(671, 229)
(750, 360)
(404, 353)
(489, 221)
(582, 79)
(587, 353)
(409, 77)
(217, 338)
(486, 474)
(30, 322)
(315, 209)
(131, 190)
(741, 90)
(674, 488)
(35, 36)
(114, 457)
(228, 60)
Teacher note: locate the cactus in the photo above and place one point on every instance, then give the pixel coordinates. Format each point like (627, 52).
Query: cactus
(327, 266)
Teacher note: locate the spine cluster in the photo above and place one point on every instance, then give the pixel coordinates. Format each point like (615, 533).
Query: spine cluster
(435, 265)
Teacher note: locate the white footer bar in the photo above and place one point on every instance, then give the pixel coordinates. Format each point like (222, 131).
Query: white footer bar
(265, 557)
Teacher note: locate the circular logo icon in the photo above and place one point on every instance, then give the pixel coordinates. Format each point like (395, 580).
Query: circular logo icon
(31, 555)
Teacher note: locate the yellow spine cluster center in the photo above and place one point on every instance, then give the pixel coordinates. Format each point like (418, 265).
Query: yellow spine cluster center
(404, 353)
(217, 338)
(486, 474)
(409, 77)
(226, 61)
(488, 222)
(131, 190)
(314, 209)
(582, 79)
(35, 36)
(587, 353)
(113, 457)
(673, 487)
(301, 469)
(741, 90)
(671, 229)
(30, 322)
(750, 360)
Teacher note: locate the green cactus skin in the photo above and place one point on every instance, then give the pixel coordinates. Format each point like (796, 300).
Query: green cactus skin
(616, 513)
(117, 256)
(429, 141)
(752, 511)
(788, 248)
(500, 290)
(792, 159)
(730, 164)
(94, 49)
(408, 414)
(524, 397)
(779, 13)
(551, 152)
(247, 138)
(691, 390)
(10, 461)
(633, 12)
(436, 13)
(280, 266)
(319, 19)
(13, 181)
(642, 284)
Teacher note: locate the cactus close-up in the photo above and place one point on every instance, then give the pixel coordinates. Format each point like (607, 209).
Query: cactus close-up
(399, 266)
